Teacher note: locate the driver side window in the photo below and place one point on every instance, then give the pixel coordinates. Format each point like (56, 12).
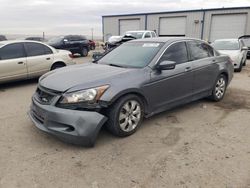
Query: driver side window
(176, 52)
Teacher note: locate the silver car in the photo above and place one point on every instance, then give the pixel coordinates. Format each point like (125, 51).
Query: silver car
(28, 59)
(235, 49)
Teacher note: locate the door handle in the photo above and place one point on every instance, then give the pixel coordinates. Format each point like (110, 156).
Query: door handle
(48, 58)
(187, 69)
(19, 63)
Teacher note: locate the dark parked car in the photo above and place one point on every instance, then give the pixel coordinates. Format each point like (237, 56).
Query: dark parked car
(39, 39)
(137, 79)
(92, 45)
(246, 40)
(76, 44)
(2, 38)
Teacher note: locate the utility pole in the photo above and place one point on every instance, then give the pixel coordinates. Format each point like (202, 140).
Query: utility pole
(92, 33)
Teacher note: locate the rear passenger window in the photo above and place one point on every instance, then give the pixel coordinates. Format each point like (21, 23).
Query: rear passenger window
(176, 52)
(36, 49)
(153, 34)
(147, 35)
(199, 50)
(12, 51)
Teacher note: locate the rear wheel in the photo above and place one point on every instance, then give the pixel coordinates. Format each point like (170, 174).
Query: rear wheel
(219, 88)
(57, 66)
(125, 115)
(84, 52)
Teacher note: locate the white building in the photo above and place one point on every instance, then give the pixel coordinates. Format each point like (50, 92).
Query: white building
(207, 24)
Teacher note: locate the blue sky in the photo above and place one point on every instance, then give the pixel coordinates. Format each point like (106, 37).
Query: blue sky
(79, 16)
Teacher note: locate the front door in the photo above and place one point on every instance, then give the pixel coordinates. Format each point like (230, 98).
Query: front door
(168, 88)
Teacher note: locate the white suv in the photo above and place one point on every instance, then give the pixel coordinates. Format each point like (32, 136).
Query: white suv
(141, 34)
(29, 59)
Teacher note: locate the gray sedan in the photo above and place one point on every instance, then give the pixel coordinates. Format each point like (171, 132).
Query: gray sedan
(138, 79)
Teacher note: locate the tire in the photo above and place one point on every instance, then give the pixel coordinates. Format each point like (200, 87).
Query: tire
(57, 66)
(240, 68)
(130, 110)
(245, 62)
(84, 52)
(219, 88)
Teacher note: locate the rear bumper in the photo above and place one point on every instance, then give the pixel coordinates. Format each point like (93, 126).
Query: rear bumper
(71, 126)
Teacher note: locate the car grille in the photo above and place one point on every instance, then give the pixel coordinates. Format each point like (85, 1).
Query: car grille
(45, 96)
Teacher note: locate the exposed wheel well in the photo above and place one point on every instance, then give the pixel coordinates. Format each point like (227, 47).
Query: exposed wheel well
(58, 63)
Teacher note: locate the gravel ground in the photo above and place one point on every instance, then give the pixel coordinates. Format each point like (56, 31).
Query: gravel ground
(202, 144)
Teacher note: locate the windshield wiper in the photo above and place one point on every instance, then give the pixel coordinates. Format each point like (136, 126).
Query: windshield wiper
(115, 65)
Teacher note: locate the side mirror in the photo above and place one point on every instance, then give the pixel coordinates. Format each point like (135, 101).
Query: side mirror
(244, 48)
(166, 65)
(65, 41)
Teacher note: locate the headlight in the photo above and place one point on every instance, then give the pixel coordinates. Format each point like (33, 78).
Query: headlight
(88, 95)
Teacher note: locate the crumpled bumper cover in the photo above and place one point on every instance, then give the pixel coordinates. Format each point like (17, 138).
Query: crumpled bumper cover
(71, 126)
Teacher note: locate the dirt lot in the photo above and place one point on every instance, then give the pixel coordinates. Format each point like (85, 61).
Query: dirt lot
(202, 144)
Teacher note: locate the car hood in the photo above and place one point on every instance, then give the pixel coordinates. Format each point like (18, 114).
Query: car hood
(231, 53)
(83, 76)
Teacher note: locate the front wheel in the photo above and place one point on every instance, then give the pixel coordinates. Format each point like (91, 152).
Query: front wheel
(240, 67)
(125, 115)
(84, 52)
(219, 88)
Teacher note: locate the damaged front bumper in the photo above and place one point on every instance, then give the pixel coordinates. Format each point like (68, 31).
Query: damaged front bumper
(72, 126)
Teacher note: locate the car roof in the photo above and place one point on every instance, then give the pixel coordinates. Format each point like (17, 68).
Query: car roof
(140, 31)
(232, 39)
(17, 41)
(164, 39)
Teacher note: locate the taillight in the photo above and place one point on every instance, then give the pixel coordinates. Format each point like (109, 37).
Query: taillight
(71, 56)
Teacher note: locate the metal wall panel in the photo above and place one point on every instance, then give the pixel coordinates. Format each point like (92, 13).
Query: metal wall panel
(227, 26)
(208, 21)
(111, 25)
(173, 26)
(198, 22)
(128, 25)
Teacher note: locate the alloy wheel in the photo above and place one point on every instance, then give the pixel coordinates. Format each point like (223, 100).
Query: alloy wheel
(130, 115)
(220, 88)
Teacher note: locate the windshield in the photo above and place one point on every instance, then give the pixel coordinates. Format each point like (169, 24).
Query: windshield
(55, 40)
(137, 35)
(226, 45)
(246, 41)
(132, 54)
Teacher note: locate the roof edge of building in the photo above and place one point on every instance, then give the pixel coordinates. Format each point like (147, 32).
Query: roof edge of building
(178, 11)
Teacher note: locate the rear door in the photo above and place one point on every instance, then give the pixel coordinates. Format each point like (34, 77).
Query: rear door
(13, 62)
(171, 87)
(39, 58)
(205, 67)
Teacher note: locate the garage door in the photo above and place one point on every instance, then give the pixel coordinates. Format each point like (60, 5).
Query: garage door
(228, 26)
(129, 25)
(173, 26)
